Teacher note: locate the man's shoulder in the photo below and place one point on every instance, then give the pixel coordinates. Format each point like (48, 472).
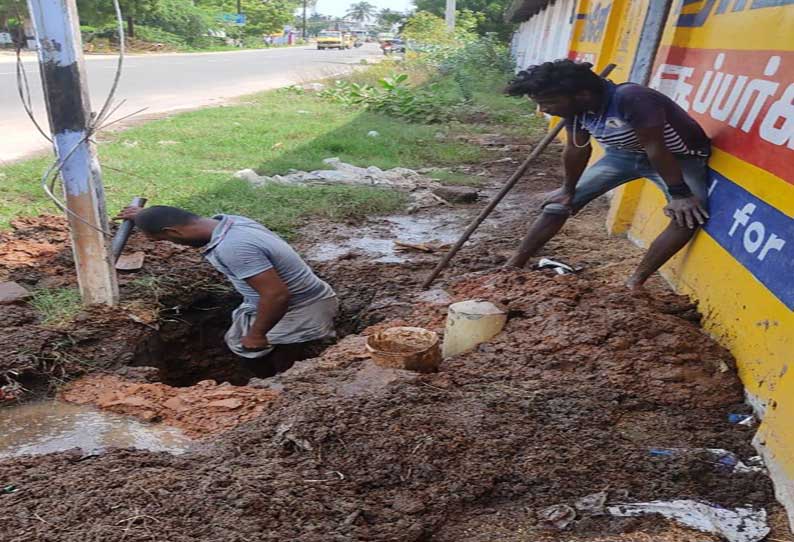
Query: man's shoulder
(239, 241)
(635, 92)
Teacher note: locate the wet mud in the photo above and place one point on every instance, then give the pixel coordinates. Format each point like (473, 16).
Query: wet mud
(43, 427)
(568, 401)
(203, 409)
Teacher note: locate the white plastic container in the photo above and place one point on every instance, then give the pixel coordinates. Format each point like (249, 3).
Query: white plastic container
(470, 323)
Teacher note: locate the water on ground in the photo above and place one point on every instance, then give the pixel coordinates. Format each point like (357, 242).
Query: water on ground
(53, 426)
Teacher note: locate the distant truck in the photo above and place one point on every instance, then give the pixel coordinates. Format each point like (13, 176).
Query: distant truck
(334, 39)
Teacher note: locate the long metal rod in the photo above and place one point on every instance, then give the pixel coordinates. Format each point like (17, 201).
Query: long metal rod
(124, 231)
(508, 186)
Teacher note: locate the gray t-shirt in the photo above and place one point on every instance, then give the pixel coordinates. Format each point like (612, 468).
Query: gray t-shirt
(241, 248)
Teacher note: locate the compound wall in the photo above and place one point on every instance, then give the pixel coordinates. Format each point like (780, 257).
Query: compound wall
(730, 64)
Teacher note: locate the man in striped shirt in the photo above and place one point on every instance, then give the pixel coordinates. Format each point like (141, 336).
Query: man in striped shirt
(644, 135)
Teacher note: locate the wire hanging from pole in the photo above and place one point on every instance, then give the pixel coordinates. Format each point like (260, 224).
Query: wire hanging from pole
(95, 123)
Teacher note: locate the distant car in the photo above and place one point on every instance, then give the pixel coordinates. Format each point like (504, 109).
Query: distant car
(392, 45)
(334, 39)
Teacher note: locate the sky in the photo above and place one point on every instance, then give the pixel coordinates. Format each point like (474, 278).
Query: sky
(338, 8)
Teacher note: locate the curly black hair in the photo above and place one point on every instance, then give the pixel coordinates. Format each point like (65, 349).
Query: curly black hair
(559, 77)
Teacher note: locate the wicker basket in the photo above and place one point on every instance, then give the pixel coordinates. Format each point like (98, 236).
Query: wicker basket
(411, 348)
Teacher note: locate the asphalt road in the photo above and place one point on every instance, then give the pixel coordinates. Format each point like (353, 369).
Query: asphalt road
(168, 82)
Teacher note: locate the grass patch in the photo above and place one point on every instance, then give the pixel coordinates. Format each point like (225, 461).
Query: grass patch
(188, 160)
(56, 305)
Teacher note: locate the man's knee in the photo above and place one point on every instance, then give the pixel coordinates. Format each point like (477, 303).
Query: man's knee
(557, 209)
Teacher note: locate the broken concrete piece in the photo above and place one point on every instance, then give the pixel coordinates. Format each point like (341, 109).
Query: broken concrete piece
(398, 178)
(11, 292)
(456, 194)
(248, 175)
(130, 262)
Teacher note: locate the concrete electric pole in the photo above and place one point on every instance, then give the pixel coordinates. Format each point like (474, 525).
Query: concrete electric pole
(450, 15)
(66, 94)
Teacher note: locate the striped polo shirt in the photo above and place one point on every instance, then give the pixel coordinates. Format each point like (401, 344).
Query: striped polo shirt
(628, 106)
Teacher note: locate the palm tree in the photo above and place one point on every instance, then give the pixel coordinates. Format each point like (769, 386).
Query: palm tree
(361, 11)
(387, 18)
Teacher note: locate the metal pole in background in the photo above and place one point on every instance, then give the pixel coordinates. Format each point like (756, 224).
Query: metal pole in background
(450, 15)
(305, 2)
(63, 77)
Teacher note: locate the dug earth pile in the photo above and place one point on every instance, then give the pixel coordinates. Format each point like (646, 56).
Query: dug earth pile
(568, 401)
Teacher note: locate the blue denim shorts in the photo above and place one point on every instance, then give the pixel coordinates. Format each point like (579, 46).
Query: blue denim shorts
(619, 167)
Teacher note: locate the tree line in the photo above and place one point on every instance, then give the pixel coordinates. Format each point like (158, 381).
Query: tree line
(193, 22)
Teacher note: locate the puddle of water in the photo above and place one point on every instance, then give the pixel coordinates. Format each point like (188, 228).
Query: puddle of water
(53, 426)
(411, 229)
(418, 229)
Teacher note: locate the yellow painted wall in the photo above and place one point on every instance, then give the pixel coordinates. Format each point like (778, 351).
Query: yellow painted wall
(745, 300)
(747, 315)
(616, 43)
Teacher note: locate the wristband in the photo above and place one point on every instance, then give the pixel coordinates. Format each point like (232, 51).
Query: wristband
(679, 191)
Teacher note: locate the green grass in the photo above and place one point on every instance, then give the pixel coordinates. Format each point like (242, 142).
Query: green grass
(56, 305)
(188, 160)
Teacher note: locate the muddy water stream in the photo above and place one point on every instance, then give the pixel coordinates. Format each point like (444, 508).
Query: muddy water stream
(378, 240)
(53, 426)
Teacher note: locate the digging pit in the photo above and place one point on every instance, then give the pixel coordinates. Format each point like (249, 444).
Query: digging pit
(575, 397)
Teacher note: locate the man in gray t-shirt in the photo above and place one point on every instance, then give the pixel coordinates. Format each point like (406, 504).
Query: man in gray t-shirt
(284, 302)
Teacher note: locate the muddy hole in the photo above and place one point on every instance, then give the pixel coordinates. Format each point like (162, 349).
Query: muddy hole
(189, 348)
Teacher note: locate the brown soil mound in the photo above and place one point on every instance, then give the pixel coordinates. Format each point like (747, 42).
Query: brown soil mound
(204, 409)
(351, 451)
(36, 254)
(566, 402)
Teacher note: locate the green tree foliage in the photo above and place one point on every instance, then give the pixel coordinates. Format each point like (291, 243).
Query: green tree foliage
(361, 11)
(262, 16)
(426, 28)
(387, 18)
(101, 12)
(302, 21)
(491, 11)
(179, 17)
(315, 23)
(10, 11)
(267, 17)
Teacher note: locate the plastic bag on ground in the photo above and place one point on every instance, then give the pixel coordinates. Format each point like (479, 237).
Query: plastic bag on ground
(744, 524)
